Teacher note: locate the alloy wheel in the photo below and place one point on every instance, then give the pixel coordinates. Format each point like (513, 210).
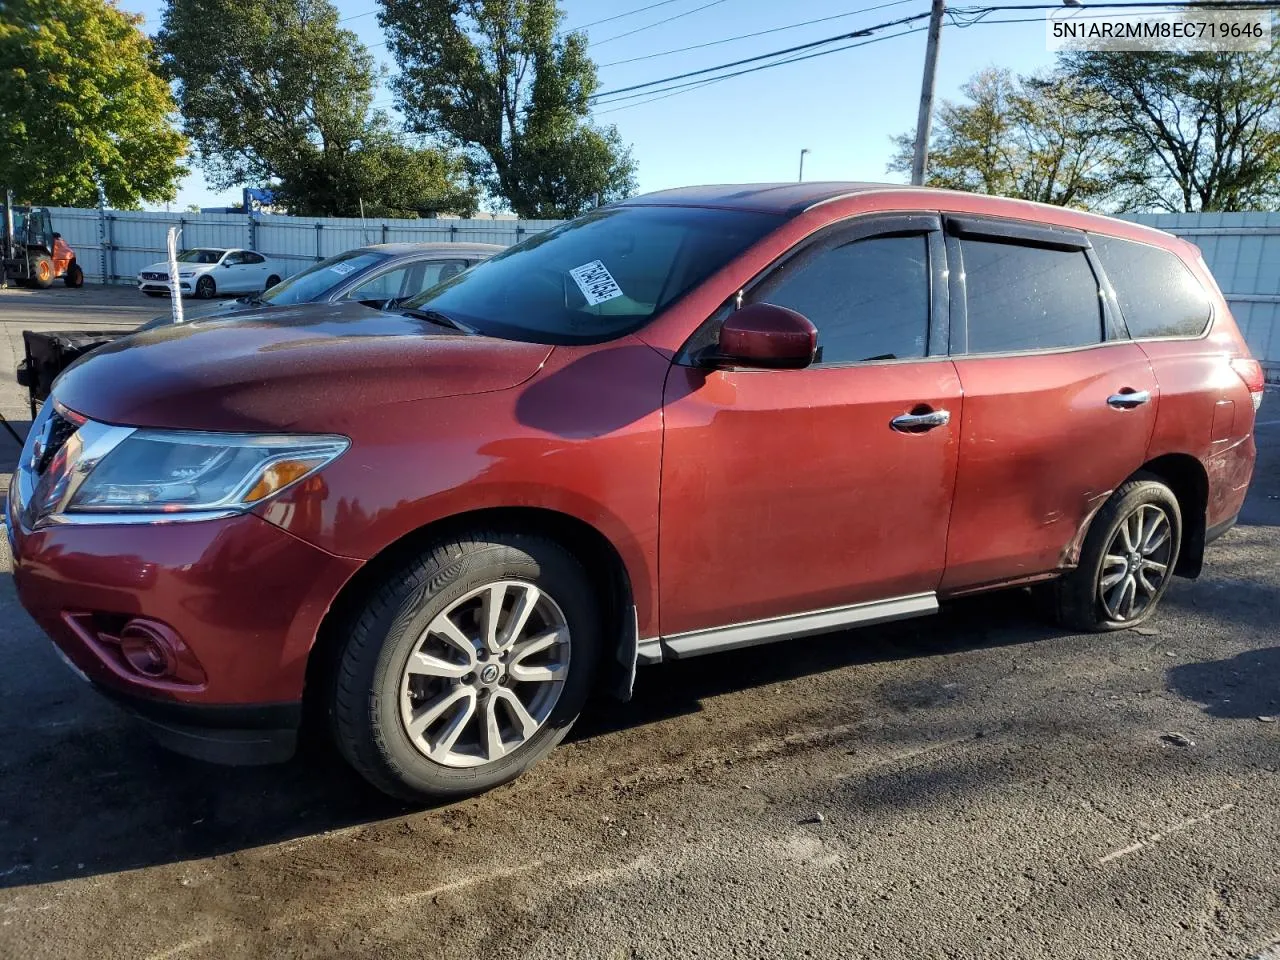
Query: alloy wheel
(486, 673)
(1136, 563)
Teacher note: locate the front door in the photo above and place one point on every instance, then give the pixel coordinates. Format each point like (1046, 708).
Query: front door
(789, 492)
(1059, 406)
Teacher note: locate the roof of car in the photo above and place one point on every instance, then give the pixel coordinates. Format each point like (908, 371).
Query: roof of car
(790, 199)
(434, 249)
(787, 198)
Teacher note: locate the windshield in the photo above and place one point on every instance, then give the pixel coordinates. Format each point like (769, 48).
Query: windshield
(598, 277)
(200, 256)
(318, 279)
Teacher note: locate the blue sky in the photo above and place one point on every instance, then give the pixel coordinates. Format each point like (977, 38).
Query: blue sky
(843, 107)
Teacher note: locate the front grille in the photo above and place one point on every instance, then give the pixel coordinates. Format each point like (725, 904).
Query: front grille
(154, 276)
(59, 432)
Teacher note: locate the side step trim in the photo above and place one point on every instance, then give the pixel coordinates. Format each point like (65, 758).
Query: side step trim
(697, 642)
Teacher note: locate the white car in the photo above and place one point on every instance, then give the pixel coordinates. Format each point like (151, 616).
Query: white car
(206, 272)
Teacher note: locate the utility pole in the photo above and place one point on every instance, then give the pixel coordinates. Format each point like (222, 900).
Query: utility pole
(800, 179)
(924, 121)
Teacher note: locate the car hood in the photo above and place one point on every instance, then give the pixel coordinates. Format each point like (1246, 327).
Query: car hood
(193, 310)
(309, 367)
(162, 266)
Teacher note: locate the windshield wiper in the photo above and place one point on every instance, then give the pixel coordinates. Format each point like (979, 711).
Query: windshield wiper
(436, 317)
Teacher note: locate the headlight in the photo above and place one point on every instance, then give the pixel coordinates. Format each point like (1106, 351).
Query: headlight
(75, 470)
(177, 471)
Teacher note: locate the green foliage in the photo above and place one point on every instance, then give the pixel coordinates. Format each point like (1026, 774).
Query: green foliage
(1196, 131)
(1025, 137)
(81, 103)
(273, 91)
(495, 78)
(1129, 131)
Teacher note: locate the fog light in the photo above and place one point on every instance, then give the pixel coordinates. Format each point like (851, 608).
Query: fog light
(147, 649)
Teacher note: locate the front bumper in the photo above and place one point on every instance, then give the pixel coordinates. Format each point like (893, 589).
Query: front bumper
(237, 602)
(164, 286)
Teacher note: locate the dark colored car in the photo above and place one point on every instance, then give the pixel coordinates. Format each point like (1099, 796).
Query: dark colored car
(686, 423)
(372, 275)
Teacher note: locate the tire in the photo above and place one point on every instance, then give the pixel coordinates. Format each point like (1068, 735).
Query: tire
(206, 289)
(42, 271)
(271, 282)
(374, 702)
(74, 277)
(1090, 597)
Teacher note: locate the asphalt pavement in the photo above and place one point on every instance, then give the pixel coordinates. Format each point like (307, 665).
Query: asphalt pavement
(976, 785)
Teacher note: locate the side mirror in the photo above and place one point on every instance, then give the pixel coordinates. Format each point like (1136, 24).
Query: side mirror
(766, 335)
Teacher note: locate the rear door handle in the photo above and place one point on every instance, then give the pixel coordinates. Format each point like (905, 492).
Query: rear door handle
(1127, 401)
(915, 422)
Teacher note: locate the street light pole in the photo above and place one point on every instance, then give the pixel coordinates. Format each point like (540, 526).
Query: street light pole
(800, 179)
(920, 161)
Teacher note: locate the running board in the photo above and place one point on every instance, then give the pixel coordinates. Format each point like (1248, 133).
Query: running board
(738, 635)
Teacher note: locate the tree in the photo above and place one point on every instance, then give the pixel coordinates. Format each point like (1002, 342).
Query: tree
(273, 91)
(1033, 138)
(81, 104)
(1198, 131)
(496, 78)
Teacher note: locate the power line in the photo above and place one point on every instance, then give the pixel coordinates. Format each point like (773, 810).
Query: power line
(619, 16)
(864, 32)
(758, 33)
(698, 84)
(658, 23)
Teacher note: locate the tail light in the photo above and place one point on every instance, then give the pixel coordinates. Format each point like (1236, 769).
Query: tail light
(1250, 371)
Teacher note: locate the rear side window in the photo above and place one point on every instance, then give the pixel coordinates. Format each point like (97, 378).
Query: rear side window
(1022, 297)
(869, 299)
(1159, 296)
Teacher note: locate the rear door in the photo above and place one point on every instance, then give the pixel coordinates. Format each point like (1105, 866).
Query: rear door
(1059, 405)
(790, 492)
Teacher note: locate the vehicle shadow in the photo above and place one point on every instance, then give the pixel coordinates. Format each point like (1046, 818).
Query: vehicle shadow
(1241, 687)
(10, 448)
(89, 793)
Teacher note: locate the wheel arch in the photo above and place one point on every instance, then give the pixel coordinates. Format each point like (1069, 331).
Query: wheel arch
(599, 557)
(1189, 481)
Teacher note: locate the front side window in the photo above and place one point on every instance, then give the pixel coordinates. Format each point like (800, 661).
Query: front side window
(601, 276)
(869, 299)
(318, 281)
(407, 281)
(248, 257)
(233, 259)
(200, 256)
(1022, 297)
(1158, 295)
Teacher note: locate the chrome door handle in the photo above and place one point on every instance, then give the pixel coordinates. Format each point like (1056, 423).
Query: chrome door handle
(1127, 401)
(910, 422)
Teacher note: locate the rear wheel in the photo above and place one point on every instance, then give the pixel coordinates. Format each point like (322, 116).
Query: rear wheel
(42, 271)
(271, 282)
(205, 288)
(467, 666)
(1127, 559)
(74, 277)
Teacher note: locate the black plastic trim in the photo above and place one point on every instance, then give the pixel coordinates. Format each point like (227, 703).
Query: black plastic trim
(1058, 238)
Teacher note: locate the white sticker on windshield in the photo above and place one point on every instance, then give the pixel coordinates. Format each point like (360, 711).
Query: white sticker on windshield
(342, 269)
(595, 282)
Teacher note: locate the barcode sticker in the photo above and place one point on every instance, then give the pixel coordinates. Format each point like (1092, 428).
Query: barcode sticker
(595, 282)
(342, 268)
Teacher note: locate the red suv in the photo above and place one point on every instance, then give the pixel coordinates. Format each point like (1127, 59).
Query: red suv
(693, 421)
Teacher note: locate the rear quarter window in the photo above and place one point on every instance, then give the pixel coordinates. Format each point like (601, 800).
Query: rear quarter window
(1158, 294)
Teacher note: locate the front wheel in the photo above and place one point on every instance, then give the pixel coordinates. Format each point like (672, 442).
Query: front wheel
(467, 666)
(42, 271)
(205, 288)
(1127, 560)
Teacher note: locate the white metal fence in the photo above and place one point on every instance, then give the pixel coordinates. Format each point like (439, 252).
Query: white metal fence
(113, 245)
(1242, 249)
